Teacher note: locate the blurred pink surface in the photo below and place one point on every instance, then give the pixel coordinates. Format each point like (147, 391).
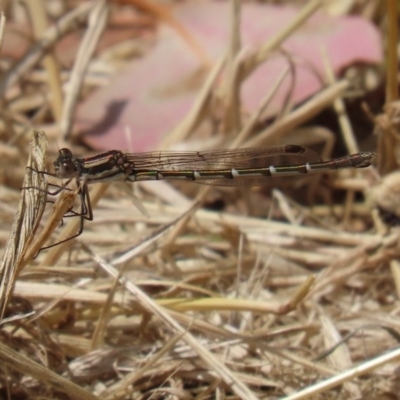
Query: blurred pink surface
(150, 98)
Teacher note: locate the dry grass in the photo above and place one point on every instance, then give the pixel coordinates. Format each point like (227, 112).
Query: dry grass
(188, 303)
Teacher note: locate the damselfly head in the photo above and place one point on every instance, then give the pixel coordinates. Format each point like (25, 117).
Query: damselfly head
(64, 165)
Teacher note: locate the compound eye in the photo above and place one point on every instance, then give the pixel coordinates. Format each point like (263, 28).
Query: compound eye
(65, 153)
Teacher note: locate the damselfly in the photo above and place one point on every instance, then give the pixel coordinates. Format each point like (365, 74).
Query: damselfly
(238, 167)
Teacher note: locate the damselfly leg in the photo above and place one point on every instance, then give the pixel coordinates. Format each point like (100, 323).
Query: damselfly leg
(85, 211)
